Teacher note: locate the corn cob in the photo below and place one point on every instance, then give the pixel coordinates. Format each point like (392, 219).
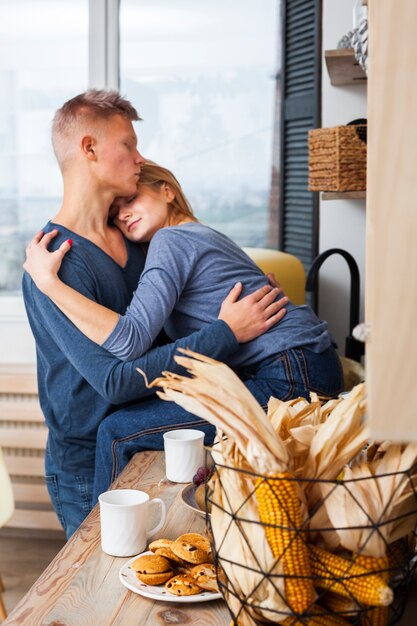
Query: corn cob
(337, 574)
(340, 604)
(380, 566)
(279, 509)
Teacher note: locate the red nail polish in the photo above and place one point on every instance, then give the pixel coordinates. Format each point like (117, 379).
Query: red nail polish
(69, 241)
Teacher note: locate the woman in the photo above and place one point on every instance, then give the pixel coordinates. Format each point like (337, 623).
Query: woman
(189, 270)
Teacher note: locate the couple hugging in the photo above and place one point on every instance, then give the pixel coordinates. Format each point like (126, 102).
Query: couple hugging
(125, 227)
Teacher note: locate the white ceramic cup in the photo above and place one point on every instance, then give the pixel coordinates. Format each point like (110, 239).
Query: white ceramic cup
(184, 454)
(125, 516)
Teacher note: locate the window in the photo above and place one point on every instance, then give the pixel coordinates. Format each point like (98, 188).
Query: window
(43, 62)
(202, 76)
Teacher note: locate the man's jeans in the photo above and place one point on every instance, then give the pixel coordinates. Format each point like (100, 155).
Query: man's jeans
(290, 374)
(71, 495)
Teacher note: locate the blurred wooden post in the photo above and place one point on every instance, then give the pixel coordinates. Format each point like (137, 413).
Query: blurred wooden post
(391, 272)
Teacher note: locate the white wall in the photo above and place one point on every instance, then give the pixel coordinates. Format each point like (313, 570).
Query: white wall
(342, 222)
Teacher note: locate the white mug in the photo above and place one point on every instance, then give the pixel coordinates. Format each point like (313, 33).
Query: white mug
(125, 515)
(184, 454)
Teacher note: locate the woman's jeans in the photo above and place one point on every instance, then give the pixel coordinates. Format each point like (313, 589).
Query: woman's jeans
(71, 495)
(289, 374)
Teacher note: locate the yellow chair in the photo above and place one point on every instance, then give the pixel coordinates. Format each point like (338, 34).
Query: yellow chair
(288, 270)
(6, 511)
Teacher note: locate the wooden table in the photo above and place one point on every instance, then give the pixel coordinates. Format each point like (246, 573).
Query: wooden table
(81, 585)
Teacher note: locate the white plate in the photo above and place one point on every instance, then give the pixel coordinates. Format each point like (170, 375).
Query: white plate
(128, 579)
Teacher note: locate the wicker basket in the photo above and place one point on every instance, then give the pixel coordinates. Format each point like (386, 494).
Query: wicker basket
(399, 572)
(337, 159)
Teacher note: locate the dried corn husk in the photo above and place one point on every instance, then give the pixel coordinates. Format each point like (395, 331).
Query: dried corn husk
(297, 422)
(217, 395)
(372, 496)
(320, 440)
(339, 438)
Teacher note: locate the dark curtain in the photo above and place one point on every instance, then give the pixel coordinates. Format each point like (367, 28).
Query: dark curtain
(300, 111)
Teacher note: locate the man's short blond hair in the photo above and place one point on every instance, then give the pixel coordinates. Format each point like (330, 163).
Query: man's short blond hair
(78, 115)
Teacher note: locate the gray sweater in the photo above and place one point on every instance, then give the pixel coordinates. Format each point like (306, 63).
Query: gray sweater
(189, 270)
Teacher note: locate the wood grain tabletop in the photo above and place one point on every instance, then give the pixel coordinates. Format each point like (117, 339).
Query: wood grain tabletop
(81, 585)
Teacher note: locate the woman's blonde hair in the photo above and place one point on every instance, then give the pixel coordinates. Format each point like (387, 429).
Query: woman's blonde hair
(155, 175)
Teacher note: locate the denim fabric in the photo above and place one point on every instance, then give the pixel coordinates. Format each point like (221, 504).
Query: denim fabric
(290, 374)
(70, 495)
(294, 373)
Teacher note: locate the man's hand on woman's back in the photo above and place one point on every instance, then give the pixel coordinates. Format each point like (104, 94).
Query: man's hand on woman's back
(254, 314)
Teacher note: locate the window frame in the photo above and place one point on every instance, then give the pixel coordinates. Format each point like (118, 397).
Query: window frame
(103, 44)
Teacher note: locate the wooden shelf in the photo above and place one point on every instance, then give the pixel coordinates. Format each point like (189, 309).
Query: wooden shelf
(343, 67)
(343, 195)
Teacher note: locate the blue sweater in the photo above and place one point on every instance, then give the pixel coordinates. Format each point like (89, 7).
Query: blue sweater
(189, 270)
(79, 382)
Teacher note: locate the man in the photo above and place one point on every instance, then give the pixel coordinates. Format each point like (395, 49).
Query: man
(80, 383)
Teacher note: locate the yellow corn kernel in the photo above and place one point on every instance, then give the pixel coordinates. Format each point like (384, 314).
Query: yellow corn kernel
(341, 576)
(279, 509)
(375, 565)
(380, 566)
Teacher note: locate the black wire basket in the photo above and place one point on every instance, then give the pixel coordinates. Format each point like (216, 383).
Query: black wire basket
(334, 601)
